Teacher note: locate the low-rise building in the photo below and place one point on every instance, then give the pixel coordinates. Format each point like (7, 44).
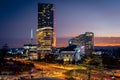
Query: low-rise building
(32, 55)
(71, 53)
(31, 51)
(67, 55)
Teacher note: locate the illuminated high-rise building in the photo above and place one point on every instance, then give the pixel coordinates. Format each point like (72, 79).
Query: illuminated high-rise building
(89, 43)
(46, 39)
(85, 40)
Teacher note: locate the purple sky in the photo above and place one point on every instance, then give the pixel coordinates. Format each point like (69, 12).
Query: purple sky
(73, 17)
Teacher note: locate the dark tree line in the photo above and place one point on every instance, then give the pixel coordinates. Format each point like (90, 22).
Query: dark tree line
(3, 54)
(110, 57)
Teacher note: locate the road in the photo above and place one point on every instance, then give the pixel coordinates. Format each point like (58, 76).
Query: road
(48, 70)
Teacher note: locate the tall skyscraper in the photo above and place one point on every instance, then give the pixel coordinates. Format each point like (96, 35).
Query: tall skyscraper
(46, 40)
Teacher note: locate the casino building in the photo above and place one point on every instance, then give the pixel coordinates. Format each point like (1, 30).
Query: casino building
(79, 46)
(86, 41)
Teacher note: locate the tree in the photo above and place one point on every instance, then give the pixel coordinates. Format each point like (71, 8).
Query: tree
(50, 58)
(4, 51)
(3, 54)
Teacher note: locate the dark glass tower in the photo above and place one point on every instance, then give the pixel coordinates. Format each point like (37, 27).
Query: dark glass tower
(45, 15)
(45, 31)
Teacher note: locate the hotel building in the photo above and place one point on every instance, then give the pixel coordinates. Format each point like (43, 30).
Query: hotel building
(46, 39)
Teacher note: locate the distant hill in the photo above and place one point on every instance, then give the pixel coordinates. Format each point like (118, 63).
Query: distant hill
(107, 47)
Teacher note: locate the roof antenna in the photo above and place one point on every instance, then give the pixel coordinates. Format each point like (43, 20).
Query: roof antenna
(31, 36)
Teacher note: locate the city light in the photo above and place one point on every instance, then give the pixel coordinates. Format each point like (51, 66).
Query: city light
(84, 44)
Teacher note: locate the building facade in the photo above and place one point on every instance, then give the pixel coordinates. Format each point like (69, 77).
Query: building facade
(67, 56)
(85, 41)
(71, 53)
(30, 52)
(46, 39)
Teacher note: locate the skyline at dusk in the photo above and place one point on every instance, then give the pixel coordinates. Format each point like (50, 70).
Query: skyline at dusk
(72, 18)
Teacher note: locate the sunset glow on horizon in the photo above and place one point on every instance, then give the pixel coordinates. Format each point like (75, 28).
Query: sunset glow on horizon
(98, 41)
(72, 18)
